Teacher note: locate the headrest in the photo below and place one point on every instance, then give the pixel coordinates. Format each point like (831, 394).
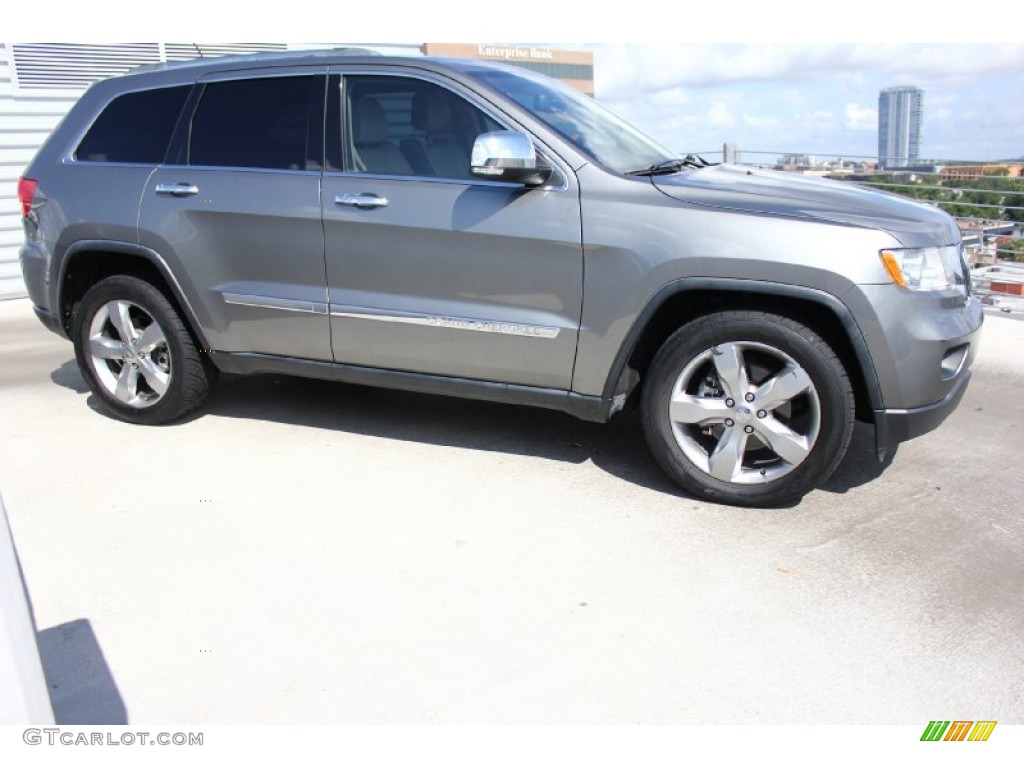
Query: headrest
(431, 112)
(370, 125)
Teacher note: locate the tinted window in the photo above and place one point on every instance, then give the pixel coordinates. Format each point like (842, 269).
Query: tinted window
(408, 127)
(134, 128)
(253, 123)
(583, 121)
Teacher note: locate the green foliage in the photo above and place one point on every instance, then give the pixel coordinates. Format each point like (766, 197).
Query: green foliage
(1018, 202)
(963, 197)
(1012, 250)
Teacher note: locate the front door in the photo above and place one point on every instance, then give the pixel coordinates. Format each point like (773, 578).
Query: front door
(428, 269)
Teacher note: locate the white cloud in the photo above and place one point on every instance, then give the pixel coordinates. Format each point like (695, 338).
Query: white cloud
(818, 116)
(655, 67)
(672, 97)
(815, 99)
(860, 118)
(720, 116)
(761, 121)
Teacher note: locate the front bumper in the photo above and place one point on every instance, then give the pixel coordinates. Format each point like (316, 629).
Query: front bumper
(897, 425)
(922, 347)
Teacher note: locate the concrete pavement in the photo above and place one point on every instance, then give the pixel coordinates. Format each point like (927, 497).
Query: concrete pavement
(309, 552)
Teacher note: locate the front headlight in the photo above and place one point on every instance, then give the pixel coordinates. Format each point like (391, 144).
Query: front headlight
(926, 269)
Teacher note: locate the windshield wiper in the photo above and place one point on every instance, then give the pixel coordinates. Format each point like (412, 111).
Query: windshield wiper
(672, 166)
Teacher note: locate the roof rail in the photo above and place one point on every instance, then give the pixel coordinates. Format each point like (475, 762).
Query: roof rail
(345, 51)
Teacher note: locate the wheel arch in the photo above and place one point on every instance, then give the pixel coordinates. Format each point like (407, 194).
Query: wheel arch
(86, 262)
(686, 299)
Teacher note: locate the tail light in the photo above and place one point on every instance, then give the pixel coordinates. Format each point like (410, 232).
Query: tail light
(26, 191)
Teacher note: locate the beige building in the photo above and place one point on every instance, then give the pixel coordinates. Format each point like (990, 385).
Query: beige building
(1011, 170)
(575, 68)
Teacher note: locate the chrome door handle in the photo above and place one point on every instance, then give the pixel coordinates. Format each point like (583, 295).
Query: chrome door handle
(177, 190)
(365, 200)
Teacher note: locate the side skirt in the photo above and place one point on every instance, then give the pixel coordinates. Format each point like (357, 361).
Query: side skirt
(585, 407)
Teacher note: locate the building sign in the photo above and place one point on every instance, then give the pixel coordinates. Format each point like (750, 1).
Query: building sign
(575, 68)
(499, 52)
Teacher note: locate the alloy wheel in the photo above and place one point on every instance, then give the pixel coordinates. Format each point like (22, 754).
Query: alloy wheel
(744, 412)
(129, 354)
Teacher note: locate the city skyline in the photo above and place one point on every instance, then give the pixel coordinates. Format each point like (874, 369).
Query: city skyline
(819, 99)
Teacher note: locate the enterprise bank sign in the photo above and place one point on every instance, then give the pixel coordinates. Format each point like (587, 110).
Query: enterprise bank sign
(512, 52)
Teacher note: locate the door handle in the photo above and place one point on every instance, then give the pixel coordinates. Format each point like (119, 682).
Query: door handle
(365, 200)
(177, 190)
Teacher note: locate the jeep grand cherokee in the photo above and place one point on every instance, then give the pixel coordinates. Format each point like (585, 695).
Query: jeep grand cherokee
(477, 230)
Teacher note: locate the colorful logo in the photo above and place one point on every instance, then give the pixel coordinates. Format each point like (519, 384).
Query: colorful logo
(958, 730)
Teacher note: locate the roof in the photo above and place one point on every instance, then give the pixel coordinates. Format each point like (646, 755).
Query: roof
(302, 58)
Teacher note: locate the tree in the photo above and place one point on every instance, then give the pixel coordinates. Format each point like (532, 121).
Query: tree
(1011, 250)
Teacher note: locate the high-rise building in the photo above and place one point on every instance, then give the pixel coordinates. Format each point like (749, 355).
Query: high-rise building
(900, 110)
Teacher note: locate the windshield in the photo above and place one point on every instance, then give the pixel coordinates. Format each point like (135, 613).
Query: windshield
(594, 130)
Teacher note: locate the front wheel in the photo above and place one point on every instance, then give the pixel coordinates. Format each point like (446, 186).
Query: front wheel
(136, 353)
(747, 408)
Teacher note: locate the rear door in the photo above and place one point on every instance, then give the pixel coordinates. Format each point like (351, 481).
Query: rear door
(430, 270)
(237, 212)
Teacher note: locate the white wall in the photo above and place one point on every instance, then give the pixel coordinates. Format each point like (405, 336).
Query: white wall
(26, 119)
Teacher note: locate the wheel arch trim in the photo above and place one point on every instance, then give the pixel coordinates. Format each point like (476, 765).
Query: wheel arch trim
(739, 285)
(138, 251)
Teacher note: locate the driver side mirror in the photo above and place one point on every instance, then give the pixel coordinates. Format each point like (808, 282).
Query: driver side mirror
(507, 156)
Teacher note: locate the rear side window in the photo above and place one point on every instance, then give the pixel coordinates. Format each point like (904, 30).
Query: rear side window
(134, 128)
(259, 123)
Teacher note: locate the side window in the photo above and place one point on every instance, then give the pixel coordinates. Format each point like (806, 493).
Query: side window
(134, 128)
(408, 127)
(256, 123)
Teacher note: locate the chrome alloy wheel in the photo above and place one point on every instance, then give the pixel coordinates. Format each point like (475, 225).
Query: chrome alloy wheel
(129, 354)
(744, 412)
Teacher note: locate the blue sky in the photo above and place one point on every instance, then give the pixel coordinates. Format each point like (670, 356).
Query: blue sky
(815, 98)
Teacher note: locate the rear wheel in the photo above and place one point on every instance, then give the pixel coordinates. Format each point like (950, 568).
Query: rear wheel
(747, 408)
(136, 353)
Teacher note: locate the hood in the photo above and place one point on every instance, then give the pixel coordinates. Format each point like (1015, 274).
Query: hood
(777, 193)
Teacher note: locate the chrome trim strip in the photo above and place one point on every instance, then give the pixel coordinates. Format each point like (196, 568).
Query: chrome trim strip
(455, 323)
(269, 302)
(428, 179)
(185, 168)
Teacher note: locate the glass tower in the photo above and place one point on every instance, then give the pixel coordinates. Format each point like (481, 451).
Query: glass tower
(900, 110)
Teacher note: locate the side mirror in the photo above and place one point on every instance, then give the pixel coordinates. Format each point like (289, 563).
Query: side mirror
(507, 156)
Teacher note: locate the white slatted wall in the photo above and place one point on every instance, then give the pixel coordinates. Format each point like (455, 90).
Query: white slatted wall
(26, 118)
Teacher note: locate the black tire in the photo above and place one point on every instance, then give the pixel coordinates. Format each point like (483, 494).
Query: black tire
(730, 438)
(154, 377)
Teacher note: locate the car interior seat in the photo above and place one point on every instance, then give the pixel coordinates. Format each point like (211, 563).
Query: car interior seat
(374, 153)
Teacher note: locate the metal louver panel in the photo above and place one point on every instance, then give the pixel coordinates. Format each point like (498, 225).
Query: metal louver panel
(77, 65)
(183, 51)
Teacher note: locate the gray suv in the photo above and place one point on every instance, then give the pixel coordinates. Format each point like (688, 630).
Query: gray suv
(472, 229)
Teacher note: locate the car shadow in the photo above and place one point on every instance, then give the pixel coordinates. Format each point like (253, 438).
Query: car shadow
(860, 465)
(82, 690)
(617, 447)
(68, 375)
